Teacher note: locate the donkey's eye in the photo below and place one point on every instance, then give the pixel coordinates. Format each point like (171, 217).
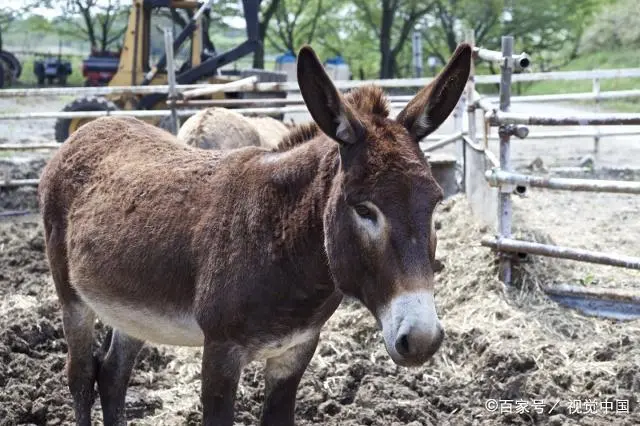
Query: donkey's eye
(365, 212)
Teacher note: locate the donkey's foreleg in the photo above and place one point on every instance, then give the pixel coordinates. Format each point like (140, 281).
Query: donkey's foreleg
(114, 374)
(221, 367)
(77, 323)
(282, 377)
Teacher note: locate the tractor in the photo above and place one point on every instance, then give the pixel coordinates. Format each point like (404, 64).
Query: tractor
(10, 68)
(142, 61)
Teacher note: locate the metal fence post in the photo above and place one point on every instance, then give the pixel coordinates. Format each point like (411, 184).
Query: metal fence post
(504, 195)
(417, 52)
(596, 93)
(458, 124)
(171, 75)
(470, 109)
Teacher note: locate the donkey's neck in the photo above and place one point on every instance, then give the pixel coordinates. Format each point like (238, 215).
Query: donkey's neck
(301, 178)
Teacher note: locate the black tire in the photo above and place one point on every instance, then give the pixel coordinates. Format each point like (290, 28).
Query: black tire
(165, 122)
(90, 103)
(16, 66)
(1, 77)
(38, 70)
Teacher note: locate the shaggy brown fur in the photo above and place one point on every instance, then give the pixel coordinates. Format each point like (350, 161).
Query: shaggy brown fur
(246, 252)
(367, 100)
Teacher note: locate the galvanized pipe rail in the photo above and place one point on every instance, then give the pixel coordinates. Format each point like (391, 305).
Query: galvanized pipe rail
(499, 178)
(292, 86)
(444, 141)
(518, 246)
(155, 112)
(579, 134)
(581, 96)
(499, 118)
(17, 183)
(519, 61)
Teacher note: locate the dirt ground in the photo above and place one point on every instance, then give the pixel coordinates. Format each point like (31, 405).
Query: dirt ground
(509, 357)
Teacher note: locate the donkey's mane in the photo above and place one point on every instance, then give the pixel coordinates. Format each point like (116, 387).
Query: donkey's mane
(370, 100)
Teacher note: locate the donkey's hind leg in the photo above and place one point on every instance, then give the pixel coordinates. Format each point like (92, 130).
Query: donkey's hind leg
(77, 321)
(114, 374)
(282, 377)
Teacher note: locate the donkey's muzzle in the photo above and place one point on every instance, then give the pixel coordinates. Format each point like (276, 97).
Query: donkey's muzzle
(416, 346)
(411, 328)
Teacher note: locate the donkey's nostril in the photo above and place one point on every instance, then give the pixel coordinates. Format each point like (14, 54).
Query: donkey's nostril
(402, 345)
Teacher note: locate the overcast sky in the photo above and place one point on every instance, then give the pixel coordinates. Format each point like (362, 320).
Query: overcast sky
(235, 22)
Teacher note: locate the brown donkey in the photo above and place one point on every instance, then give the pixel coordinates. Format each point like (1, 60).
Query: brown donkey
(246, 252)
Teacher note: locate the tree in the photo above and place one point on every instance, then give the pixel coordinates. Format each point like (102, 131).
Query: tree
(213, 17)
(267, 10)
(10, 15)
(615, 28)
(101, 22)
(545, 27)
(296, 23)
(6, 18)
(392, 21)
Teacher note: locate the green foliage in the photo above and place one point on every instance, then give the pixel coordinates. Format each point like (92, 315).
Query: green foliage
(617, 26)
(376, 34)
(549, 29)
(296, 22)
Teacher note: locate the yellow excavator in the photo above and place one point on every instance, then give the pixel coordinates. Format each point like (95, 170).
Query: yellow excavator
(143, 43)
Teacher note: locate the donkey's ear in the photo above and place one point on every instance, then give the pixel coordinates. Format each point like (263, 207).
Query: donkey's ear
(433, 103)
(323, 101)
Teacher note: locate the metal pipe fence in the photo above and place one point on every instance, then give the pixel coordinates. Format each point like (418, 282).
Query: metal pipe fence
(519, 246)
(498, 118)
(510, 124)
(519, 62)
(498, 177)
(292, 86)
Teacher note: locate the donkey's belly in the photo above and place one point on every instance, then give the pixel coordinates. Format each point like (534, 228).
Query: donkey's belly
(168, 328)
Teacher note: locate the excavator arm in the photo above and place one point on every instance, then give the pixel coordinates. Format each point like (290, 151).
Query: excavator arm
(210, 65)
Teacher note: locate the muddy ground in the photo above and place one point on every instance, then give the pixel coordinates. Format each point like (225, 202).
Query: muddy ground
(512, 348)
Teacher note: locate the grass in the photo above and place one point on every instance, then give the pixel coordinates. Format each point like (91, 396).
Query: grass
(594, 61)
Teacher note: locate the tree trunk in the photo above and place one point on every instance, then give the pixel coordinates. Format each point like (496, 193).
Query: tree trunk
(386, 56)
(258, 55)
(86, 14)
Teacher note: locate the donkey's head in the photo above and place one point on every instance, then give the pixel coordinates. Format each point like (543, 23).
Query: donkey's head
(378, 223)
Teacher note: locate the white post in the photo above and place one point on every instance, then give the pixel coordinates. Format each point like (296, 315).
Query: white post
(171, 75)
(417, 52)
(596, 93)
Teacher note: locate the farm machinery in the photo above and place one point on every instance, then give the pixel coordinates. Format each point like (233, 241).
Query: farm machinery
(52, 68)
(100, 67)
(10, 68)
(142, 61)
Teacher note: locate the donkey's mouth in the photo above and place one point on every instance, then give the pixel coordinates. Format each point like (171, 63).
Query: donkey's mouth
(411, 328)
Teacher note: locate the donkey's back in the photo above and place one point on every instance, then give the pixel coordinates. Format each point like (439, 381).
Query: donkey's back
(121, 203)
